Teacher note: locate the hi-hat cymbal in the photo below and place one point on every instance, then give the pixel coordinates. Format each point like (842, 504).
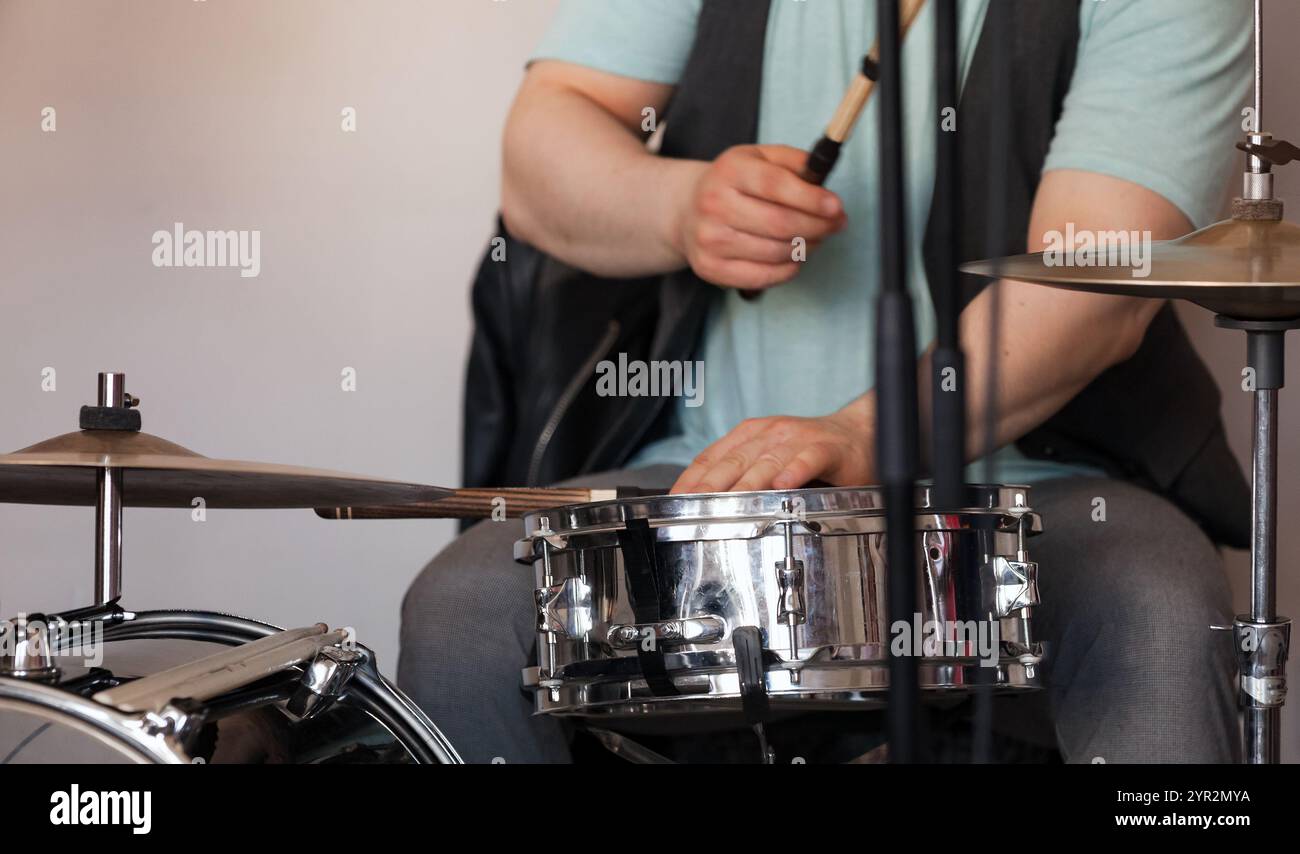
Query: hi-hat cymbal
(158, 473)
(1245, 269)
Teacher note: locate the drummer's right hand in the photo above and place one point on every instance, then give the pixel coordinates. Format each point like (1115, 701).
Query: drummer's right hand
(744, 218)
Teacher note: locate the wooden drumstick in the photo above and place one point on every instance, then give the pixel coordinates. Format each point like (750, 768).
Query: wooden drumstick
(824, 154)
(827, 150)
(478, 503)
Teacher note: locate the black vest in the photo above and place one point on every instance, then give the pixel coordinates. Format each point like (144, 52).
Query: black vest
(532, 415)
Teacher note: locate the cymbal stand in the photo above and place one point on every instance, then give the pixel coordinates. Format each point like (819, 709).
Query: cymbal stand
(114, 412)
(1261, 638)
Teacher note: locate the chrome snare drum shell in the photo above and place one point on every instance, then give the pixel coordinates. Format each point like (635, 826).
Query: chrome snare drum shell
(805, 567)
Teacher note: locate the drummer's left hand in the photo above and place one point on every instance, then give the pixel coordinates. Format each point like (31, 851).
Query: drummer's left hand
(785, 452)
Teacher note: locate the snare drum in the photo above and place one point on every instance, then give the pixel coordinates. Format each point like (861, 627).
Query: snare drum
(197, 687)
(642, 604)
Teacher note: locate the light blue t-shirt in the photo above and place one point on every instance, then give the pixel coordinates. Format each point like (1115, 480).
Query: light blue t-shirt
(1155, 100)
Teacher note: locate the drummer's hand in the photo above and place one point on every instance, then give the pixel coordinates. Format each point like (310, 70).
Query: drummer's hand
(739, 217)
(785, 453)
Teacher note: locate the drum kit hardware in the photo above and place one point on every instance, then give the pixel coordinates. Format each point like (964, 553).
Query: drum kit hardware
(664, 584)
(695, 608)
(1247, 271)
(689, 608)
(106, 684)
(649, 607)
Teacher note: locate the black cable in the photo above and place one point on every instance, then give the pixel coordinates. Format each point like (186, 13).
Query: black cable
(896, 417)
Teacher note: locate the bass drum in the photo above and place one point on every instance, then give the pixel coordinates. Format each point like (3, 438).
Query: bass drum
(57, 719)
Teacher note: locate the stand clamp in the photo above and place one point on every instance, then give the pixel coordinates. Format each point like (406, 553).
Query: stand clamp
(1262, 649)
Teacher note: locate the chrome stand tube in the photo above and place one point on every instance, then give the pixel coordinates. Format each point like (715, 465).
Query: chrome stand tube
(1262, 638)
(1263, 545)
(1262, 641)
(108, 507)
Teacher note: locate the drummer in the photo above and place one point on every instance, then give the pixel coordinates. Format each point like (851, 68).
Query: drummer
(1130, 582)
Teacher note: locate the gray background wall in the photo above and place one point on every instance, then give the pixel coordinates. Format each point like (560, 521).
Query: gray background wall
(225, 114)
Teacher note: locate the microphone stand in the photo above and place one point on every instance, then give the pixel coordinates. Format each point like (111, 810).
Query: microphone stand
(896, 416)
(948, 379)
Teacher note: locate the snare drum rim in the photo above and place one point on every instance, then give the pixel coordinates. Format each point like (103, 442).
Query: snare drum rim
(987, 498)
(748, 515)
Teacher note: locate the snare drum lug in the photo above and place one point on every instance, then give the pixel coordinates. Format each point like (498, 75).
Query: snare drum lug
(565, 608)
(791, 610)
(791, 606)
(323, 681)
(545, 619)
(1015, 585)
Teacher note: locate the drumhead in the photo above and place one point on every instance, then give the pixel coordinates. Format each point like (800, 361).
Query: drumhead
(723, 510)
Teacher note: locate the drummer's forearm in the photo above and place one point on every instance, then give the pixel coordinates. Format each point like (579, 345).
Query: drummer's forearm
(1051, 343)
(1039, 369)
(577, 181)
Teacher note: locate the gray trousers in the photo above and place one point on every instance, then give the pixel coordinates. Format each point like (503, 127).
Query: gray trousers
(1134, 672)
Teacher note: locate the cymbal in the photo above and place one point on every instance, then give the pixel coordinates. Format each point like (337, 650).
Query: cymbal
(159, 473)
(1244, 269)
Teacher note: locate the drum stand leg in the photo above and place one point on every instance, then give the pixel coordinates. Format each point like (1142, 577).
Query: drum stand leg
(1262, 638)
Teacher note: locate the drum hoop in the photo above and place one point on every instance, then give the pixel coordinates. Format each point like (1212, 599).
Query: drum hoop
(368, 690)
(103, 723)
(731, 507)
(373, 693)
(735, 516)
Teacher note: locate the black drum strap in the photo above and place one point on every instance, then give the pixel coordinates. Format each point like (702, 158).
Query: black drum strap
(637, 543)
(747, 641)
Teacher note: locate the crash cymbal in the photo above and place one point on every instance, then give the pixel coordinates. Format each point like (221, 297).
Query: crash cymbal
(1244, 269)
(159, 473)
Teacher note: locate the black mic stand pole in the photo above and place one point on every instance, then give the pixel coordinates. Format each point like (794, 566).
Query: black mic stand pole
(948, 364)
(896, 395)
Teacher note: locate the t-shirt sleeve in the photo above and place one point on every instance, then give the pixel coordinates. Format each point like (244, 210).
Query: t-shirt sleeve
(1157, 96)
(645, 39)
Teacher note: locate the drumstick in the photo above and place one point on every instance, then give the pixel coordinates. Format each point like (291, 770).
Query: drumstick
(826, 151)
(824, 154)
(481, 503)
